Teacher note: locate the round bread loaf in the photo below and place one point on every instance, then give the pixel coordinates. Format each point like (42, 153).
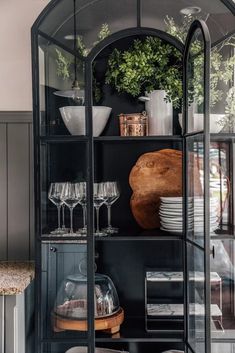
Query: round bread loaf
(154, 175)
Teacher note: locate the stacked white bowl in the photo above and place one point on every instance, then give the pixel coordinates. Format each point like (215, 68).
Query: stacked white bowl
(171, 214)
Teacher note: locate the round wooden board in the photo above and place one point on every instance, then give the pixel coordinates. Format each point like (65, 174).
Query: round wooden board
(110, 324)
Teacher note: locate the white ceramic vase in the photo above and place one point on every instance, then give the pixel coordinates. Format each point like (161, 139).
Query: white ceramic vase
(160, 113)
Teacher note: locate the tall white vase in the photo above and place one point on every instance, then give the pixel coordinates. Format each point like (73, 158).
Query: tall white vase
(160, 113)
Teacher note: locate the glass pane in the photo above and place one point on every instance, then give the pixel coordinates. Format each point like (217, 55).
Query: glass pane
(64, 290)
(217, 16)
(128, 277)
(61, 163)
(95, 20)
(223, 347)
(57, 97)
(195, 188)
(222, 91)
(220, 183)
(195, 83)
(196, 298)
(223, 288)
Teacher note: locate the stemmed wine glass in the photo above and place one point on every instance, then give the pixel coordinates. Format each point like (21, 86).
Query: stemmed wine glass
(63, 227)
(54, 195)
(112, 193)
(82, 202)
(70, 196)
(98, 199)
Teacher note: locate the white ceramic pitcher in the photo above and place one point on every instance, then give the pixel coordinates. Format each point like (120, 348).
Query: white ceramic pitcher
(160, 113)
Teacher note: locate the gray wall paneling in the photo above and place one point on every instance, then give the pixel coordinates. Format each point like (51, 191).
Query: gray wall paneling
(18, 192)
(16, 215)
(3, 191)
(10, 324)
(16, 186)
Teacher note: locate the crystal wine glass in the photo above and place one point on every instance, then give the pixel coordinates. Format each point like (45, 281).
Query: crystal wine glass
(54, 196)
(98, 199)
(70, 196)
(82, 202)
(112, 193)
(63, 227)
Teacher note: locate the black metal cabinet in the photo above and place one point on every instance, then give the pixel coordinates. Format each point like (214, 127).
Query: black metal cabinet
(128, 256)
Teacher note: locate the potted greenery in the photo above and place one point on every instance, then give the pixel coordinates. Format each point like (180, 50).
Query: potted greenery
(151, 64)
(152, 68)
(147, 65)
(221, 75)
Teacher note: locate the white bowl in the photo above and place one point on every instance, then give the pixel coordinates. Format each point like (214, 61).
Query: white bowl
(97, 350)
(74, 119)
(173, 351)
(198, 122)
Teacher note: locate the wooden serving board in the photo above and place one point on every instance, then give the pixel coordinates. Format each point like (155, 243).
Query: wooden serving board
(110, 324)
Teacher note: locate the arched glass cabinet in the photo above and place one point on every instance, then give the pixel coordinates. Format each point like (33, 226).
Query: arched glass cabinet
(134, 116)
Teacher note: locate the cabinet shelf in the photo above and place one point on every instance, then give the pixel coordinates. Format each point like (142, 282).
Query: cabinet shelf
(137, 138)
(63, 139)
(62, 240)
(119, 139)
(222, 136)
(125, 235)
(128, 139)
(228, 233)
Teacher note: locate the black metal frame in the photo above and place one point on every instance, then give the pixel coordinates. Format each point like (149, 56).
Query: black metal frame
(89, 140)
(198, 25)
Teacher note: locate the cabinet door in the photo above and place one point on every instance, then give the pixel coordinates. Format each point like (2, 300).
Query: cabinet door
(196, 182)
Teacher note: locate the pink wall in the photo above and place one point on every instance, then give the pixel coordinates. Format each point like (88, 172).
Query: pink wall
(16, 19)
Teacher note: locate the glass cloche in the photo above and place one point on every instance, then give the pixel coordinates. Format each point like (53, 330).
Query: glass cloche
(71, 301)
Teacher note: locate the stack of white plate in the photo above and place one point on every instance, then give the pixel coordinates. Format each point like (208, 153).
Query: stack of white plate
(171, 214)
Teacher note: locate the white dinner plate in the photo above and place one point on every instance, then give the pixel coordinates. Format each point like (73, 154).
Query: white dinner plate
(170, 231)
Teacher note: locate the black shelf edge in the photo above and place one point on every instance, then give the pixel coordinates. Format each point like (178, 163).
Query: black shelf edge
(124, 235)
(174, 337)
(70, 138)
(222, 237)
(140, 238)
(61, 239)
(111, 238)
(222, 136)
(171, 338)
(63, 138)
(137, 138)
(226, 233)
(82, 342)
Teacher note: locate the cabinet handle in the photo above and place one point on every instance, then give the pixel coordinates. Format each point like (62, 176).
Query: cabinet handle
(213, 252)
(53, 249)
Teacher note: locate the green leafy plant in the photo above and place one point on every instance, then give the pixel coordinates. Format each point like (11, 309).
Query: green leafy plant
(147, 65)
(228, 120)
(63, 65)
(221, 69)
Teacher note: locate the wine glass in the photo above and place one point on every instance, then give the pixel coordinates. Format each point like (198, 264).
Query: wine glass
(112, 193)
(98, 199)
(70, 196)
(82, 202)
(63, 227)
(54, 195)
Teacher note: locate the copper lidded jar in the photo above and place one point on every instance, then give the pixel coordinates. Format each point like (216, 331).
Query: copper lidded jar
(135, 124)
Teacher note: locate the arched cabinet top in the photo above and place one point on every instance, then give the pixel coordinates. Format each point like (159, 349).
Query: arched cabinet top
(56, 20)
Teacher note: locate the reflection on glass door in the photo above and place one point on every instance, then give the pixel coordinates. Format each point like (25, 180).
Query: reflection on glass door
(197, 223)
(222, 240)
